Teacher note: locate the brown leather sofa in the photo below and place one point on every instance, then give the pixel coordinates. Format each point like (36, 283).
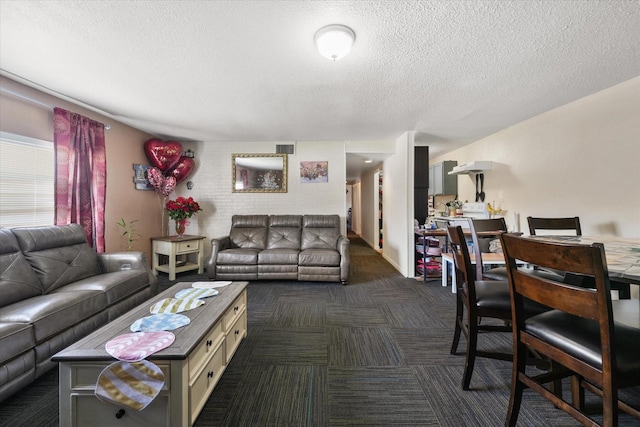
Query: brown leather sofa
(54, 290)
(281, 247)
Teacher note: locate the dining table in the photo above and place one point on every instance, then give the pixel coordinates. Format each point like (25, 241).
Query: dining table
(622, 255)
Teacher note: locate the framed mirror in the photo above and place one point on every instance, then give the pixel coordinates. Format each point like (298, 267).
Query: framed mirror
(259, 173)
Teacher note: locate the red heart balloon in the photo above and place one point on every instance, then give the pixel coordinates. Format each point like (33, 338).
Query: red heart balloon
(163, 154)
(182, 169)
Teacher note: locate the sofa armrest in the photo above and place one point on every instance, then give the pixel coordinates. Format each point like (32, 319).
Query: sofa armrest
(345, 261)
(117, 261)
(217, 245)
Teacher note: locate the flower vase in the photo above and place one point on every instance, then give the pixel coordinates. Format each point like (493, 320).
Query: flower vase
(181, 225)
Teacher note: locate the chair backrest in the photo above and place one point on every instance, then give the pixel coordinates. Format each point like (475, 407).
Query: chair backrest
(497, 225)
(284, 232)
(465, 279)
(581, 302)
(555, 224)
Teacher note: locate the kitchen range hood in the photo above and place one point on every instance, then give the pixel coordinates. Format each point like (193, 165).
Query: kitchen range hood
(471, 167)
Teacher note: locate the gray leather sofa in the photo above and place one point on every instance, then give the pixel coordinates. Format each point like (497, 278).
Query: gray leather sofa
(54, 290)
(282, 247)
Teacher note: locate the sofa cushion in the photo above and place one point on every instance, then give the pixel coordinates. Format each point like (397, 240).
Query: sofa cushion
(249, 231)
(319, 257)
(320, 232)
(52, 313)
(58, 255)
(293, 221)
(117, 285)
(278, 256)
(238, 256)
(15, 338)
(18, 281)
(284, 232)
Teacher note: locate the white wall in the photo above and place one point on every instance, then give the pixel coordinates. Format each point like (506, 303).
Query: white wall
(356, 216)
(581, 159)
(369, 218)
(397, 201)
(212, 186)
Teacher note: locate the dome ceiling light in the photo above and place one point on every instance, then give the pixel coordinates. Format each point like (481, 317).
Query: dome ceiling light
(334, 41)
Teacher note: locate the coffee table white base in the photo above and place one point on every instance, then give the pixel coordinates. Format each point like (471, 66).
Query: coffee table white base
(192, 365)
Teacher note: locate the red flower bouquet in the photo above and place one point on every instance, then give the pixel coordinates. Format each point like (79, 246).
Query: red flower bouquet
(182, 208)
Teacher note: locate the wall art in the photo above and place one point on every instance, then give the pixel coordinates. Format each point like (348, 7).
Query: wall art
(312, 172)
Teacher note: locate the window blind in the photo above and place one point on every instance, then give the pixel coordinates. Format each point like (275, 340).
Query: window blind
(27, 172)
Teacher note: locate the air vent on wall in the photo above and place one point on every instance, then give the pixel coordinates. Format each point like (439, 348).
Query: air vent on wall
(285, 149)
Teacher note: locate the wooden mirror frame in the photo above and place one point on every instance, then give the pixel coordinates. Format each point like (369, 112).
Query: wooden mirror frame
(259, 173)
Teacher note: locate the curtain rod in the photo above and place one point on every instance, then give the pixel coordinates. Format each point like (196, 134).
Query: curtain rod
(35, 101)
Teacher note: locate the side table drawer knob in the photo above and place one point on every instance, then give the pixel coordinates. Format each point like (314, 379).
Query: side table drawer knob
(120, 413)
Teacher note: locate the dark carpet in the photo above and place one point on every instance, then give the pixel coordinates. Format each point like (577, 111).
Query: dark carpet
(372, 353)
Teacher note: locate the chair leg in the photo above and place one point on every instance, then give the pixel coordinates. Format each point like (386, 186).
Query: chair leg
(472, 342)
(577, 393)
(517, 387)
(556, 385)
(457, 330)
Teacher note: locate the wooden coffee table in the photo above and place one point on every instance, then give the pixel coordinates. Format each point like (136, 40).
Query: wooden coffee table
(192, 365)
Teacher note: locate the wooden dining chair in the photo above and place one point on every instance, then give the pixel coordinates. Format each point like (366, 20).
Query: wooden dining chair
(498, 226)
(480, 244)
(578, 334)
(480, 299)
(555, 224)
(573, 225)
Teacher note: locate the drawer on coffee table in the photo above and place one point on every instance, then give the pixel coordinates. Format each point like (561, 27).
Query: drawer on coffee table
(203, 352)
(203, 384)
(87, 410)
(234, 311)
(236, 332)
(85, 376)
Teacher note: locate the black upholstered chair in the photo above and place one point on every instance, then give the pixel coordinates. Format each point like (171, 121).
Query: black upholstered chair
(579, 333)
(480, 299)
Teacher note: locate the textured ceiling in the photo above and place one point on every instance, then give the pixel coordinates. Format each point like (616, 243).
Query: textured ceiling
(453, 71)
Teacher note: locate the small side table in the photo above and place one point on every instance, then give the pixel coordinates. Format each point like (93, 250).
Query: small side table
(172, 246)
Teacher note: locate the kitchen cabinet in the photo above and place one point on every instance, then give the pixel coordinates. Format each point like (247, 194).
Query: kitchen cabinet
(440, 182)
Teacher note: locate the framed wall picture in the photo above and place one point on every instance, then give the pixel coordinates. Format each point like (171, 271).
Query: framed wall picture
(315, 171)
(141, 177)
(259, 173)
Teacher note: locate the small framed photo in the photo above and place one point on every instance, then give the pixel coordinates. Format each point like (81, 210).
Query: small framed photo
(141, 177)
(315, 171)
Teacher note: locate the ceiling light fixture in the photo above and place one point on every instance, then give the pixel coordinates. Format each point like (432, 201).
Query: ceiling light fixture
(334, 41)
(368, 161)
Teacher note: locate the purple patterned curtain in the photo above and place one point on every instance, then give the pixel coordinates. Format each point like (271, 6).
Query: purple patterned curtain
(81, 174)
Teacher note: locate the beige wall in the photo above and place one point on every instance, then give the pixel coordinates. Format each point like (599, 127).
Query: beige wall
(124, 148)
(580, 159)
